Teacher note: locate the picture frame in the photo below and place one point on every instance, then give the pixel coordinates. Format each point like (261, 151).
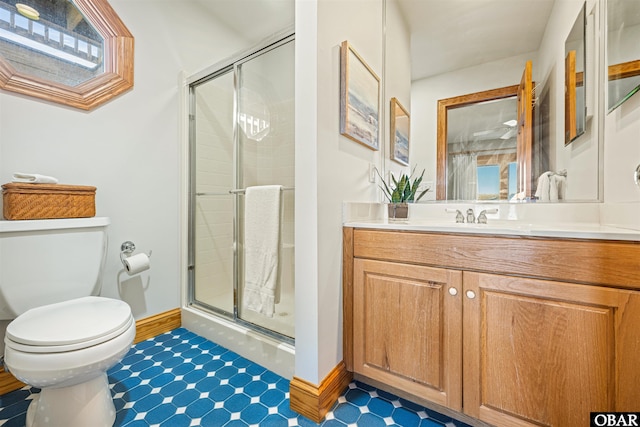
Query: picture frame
(399, 132)
(359, 99)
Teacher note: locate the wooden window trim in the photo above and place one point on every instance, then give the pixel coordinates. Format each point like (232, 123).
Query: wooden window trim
(118, 65)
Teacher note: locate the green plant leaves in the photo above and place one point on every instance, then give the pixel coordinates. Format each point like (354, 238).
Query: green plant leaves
(403, 190)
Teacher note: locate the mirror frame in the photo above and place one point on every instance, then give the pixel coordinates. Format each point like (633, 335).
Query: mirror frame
(443, 108)
(116, 78)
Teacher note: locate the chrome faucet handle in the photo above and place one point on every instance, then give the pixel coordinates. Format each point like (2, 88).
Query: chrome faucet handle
(482, 218)
(459, 216)
(471, 218)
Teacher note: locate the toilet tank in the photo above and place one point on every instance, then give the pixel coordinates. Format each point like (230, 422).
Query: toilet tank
(48, 261)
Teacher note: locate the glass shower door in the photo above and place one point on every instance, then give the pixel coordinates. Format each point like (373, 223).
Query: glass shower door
(241, 135)
(266, 155)
(212, 164)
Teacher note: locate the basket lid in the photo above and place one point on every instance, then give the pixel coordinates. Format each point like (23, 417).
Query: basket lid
(46, 188)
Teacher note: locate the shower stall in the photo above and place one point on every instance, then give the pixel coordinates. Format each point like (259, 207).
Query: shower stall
(241, 135)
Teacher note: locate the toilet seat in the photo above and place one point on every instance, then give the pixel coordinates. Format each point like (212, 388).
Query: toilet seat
(69, 325)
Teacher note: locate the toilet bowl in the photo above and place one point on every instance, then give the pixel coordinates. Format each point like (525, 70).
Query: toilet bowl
(65, 349)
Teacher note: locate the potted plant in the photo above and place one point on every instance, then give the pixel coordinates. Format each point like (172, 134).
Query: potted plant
(400, 192)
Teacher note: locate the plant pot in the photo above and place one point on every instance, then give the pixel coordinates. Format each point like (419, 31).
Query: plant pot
(398, 211)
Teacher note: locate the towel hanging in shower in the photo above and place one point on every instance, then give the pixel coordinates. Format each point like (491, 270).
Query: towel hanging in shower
(261, 248)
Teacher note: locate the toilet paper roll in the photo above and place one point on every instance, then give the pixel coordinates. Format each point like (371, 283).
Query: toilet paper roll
(136, 264)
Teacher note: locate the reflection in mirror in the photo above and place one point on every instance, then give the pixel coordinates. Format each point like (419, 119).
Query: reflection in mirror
(77, 53)
(50, 39)
(623, 50)
(466, 47)
(400, 123)
(574, 95)
(477, 146)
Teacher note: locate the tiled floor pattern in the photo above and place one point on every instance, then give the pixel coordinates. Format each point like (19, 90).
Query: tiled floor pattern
(180, 379)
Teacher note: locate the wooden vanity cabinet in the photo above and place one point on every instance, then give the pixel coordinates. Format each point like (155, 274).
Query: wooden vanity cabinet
(406, 330)
(453, 325)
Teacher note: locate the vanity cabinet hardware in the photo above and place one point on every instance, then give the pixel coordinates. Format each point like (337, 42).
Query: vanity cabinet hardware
(471, 294)
(453, 291)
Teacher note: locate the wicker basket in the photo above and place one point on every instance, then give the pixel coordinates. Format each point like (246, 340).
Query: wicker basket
(47, 201)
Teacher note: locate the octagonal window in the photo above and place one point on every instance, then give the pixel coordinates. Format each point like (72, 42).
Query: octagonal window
(78, 53)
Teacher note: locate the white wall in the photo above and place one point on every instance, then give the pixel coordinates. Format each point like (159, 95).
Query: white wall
(397, 79)
(129, 148)
(622, 153)
(331, 169)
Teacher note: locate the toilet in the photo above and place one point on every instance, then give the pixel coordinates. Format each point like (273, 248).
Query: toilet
(62, 337)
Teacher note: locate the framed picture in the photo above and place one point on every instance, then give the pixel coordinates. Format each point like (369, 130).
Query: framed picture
(359, 99)
(399, 133)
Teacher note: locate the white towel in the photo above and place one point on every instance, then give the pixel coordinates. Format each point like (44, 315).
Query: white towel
(261, 248)
(544, 183)
(551, 186)
(34, 178)
(560, 183)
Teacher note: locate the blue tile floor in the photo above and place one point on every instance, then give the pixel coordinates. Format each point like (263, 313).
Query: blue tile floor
(180, 379)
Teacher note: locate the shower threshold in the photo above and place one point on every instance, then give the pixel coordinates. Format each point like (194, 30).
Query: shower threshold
(275, 355)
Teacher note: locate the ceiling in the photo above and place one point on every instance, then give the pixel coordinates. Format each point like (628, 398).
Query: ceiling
(447, 35)
(251, 20)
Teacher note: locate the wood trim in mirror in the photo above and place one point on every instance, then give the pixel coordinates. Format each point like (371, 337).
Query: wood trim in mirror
(525, 131)
(624, 70)
(118, 65)
(456, 102)
(570, 126)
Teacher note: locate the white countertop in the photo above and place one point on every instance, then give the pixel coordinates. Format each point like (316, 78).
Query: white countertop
(573, 231)
(574, 221)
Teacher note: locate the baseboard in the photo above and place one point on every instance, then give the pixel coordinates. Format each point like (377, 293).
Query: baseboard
(315, 401)
(153, 326)
(8, 382)
(146, 328)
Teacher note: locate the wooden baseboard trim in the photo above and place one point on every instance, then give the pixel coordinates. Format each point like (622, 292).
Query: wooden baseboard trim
(314, 401)
(160, 323)
(8, 382)
(146, 328)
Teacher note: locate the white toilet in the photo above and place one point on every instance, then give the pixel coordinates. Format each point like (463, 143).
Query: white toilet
(63, 338)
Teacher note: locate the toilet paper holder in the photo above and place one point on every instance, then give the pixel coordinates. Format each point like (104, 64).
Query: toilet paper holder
(126, 249)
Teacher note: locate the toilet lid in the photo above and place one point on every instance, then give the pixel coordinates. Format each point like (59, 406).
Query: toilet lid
(69, 325)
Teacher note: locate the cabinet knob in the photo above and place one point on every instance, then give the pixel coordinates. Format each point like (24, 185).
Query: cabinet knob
(471, 294)
(453, 291)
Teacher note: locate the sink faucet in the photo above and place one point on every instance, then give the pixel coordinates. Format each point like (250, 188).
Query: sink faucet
(471, 218)
(482, 218)
(459, 216)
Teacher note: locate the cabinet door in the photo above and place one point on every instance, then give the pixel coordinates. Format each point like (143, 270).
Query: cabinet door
(548, 353)
(406, 328)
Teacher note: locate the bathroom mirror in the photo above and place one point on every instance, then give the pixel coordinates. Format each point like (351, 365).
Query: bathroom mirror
(477, 146)
(623, 51)
(575, 111)
(482, 45)
(77, 53)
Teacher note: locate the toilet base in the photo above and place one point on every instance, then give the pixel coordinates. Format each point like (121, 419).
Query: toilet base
(81, 405)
